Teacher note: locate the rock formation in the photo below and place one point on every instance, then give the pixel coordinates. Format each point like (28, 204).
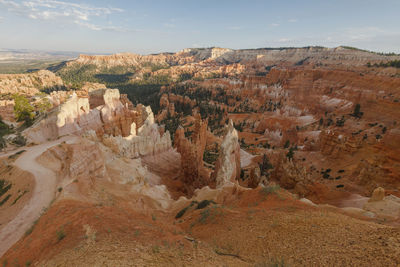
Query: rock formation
(75, 161)
(377, 195)
(254, 177)
(291, 175)
(7, 109)
(227, 167)
(333, 143)
(29, 84)
(194, 175)
(148, 141)
(386, 207)
(112, 117)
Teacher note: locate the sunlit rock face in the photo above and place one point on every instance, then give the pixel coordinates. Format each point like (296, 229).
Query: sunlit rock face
(107, 113)
(29, 84)
(227, 168)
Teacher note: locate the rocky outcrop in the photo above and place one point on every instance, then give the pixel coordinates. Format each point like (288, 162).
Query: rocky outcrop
(333, 143)
(291, 176)
(254, 177)
(194, 174)
(148, 141)
(370, 175)
(29, 84)
(85, 166)
(84, 159)
(306, 55)
(227, 167)
(7, 109)
(104, 111)
(377, 195)
(385, 207)
(129, 59)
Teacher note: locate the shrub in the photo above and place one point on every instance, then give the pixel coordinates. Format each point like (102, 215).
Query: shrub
(270, 190)
(4, 128)
(204, 215)
(182, 211)
(357, 111)
(287, 144)
(155, 249)
(19, 140)
(23, 111)
(4, 187)
(290, 154)
(5, 200)
(265, 166)
(60, 234)
(185, 76)
(3, 143)
(204, 204)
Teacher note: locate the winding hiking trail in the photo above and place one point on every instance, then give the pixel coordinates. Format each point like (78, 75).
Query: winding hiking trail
(43, 193)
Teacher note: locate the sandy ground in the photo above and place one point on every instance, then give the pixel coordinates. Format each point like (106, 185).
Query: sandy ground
(253, 228)
(43, 194)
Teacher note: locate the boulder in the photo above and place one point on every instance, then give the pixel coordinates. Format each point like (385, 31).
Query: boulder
(377, 195)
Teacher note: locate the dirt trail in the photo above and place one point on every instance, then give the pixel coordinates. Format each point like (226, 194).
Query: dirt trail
(43, 193)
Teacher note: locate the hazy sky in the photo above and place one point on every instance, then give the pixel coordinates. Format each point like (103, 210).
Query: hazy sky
(105, 26)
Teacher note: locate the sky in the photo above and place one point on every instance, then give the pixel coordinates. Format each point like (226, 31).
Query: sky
(153, 26)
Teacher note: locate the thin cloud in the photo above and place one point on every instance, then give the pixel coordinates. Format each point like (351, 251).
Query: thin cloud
(235, 28)
(60, 11)
(292, 20)
(169, 25)
(274, 24)
(284, 40)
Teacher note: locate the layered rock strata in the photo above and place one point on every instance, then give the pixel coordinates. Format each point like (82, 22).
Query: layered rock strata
(128, 130)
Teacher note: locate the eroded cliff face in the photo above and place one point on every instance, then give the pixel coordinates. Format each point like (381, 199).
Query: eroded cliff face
(223, 62)
(7, 109)
(29, 84)
(129, 130)
(148, 141)
(227, 167)
(292, 175)
(335, 144)
(194, 173)
(85, 167)
(314, 55)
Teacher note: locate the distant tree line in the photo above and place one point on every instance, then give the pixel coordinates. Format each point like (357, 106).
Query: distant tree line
(392, 63)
